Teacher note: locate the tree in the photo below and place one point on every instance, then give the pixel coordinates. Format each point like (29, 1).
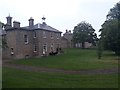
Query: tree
(110, 32)
(3, 42)
(84, 32)
(114, 12)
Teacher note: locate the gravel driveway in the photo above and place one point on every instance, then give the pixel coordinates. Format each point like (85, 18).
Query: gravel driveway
(48, 70)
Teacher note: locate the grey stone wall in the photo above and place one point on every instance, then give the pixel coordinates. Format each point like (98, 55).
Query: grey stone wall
(15, 40)
(48, 40)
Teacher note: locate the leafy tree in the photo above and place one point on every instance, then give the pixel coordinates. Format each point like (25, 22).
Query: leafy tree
(84, 32)
(114, 12)
(110, 32)
(3, 42)
(0, 34)
(1, 24)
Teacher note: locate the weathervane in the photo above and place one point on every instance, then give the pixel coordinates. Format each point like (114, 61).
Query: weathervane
(43, 20)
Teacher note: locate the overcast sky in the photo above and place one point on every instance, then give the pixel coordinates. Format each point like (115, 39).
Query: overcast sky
(60, 14)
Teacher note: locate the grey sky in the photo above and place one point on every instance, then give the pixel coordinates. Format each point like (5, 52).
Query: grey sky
(60, 14)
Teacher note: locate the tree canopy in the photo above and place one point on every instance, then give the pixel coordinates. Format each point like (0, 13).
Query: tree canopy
(84, 32)
(110, 31)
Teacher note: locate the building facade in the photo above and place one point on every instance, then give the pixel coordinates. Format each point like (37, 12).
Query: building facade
(33, 40)
(67, 39)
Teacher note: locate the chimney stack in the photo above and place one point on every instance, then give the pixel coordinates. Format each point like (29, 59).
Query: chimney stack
(9, 21)
(69, 31)
(16, 24)
(31, 22)
(66, 31)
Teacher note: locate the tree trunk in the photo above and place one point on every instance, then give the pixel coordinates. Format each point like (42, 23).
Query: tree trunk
(83, 45)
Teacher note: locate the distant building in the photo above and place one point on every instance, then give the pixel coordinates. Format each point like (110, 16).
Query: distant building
(67, 39)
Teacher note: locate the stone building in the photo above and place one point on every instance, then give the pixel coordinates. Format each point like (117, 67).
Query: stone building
(67, 39)
(33, 40)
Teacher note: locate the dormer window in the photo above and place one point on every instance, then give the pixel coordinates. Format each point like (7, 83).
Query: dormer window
(26, 39)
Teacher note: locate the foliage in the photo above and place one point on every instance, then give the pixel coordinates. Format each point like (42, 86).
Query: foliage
(110, 32)
(1, 24)
(84, 32)
(114, 12)
(3, 42)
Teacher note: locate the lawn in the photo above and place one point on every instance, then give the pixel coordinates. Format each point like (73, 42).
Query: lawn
(73, 59)
(0, 77)
(13, 78)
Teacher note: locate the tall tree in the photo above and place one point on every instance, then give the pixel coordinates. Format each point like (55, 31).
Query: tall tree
(114, 12)
(110, 32)
(3, 42)
(84, 32)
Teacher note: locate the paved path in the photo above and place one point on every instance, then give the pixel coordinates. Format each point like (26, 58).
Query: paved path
(48, 70)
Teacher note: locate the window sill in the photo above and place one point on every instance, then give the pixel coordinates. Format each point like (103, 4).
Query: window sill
(51, 37)
(26, 43)
(34, 37)
(44, 37)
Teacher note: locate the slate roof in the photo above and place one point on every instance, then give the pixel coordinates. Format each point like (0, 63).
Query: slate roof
(43, 26)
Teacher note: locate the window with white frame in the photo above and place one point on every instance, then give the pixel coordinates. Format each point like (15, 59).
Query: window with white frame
(26, 39)
(44, 34)
(51, 35)
(51, 48)
(34, 34)
(44, 48)
(35, 48)
(12, 51)
(58, 36)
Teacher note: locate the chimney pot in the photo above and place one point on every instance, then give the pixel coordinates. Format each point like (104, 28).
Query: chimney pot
(9, 21)
(16, 24)
(31, 22)
(66, 30)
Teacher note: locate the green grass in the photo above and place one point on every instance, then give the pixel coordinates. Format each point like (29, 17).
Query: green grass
(73, 59)
(0, 77)
(13, 78)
